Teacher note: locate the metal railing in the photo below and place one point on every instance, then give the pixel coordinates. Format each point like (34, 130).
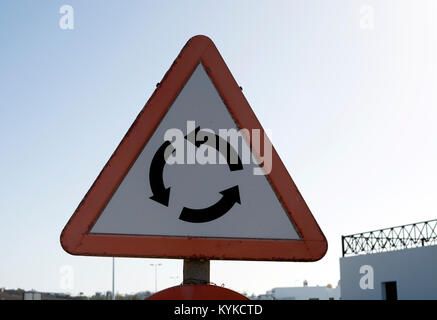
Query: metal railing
(396, 238)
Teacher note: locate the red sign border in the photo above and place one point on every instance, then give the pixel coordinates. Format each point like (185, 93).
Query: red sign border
(76, 239)
(197, 292)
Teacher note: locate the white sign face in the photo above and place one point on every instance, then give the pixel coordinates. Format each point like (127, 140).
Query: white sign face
(195, 200)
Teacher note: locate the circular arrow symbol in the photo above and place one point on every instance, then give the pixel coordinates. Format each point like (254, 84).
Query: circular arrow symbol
(161, 194)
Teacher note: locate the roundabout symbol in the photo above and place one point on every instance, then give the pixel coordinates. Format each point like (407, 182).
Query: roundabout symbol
(161, 194)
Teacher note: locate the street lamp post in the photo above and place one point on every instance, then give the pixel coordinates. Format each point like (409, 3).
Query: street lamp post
(156, 265)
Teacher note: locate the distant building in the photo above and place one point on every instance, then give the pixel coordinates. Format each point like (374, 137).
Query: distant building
(390, 264)
(31, 295)
(11, 294)
(302, 293)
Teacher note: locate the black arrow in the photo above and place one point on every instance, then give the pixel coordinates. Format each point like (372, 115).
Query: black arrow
(192, 137)
(220, 144)
(230, 197)
(161, 194)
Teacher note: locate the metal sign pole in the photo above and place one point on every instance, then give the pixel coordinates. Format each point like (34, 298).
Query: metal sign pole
(196, 271)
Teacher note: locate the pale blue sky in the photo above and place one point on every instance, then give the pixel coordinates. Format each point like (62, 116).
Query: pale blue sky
(353, 114)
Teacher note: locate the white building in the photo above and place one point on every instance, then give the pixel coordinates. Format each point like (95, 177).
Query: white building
(303, 293)
(390, 264)
(31, 295)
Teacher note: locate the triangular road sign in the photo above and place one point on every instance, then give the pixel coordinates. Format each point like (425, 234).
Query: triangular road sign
(162, 195)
